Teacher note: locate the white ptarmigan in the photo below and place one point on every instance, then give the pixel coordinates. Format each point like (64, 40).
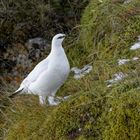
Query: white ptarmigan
(48, 75)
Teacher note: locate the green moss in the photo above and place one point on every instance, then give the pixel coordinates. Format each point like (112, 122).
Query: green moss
(102, 113)
(106, 29)
(123, 117)
(74, 117)
(25, 118)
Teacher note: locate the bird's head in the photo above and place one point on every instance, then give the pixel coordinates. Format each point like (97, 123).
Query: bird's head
(58, 39)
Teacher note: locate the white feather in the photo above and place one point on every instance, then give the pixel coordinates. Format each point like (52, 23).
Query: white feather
(48, 75)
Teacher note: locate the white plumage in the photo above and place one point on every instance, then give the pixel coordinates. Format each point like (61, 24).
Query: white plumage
(48, 75)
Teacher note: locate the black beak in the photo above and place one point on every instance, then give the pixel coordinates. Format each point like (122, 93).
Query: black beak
(61, 37)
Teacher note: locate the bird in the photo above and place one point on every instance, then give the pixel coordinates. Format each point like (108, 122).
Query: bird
(48, 75)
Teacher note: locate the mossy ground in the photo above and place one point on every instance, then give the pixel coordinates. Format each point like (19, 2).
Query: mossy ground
(94, 111)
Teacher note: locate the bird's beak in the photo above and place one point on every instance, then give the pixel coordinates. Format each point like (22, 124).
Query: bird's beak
(62, 36)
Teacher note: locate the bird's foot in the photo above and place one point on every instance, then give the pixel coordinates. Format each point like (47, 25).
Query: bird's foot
(63, 98)
(53, 101)
(42, 100)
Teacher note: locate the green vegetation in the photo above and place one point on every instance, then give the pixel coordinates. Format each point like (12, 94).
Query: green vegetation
(94, 111)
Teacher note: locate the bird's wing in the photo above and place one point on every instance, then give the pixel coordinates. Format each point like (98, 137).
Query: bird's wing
(35, 73)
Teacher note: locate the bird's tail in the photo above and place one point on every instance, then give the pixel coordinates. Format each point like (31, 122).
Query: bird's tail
(16, 92)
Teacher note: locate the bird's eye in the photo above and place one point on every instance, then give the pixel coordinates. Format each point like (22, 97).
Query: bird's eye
(60, 37)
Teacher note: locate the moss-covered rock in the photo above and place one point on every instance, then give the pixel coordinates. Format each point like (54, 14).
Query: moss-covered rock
(80, 115)
(107, 30)
(123, 117)
(101, 113)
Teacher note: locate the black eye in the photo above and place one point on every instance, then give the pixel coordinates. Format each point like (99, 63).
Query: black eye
(60, 37)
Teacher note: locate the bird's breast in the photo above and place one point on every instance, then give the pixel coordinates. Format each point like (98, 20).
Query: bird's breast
(60, 63)
(61, 67)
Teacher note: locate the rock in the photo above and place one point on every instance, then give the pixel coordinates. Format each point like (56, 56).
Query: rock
(127, 1)
(79, 73)
(19, 60)
(37, 43)
(117, 77)
(6, 64)
(36, 47)
(123, 61)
